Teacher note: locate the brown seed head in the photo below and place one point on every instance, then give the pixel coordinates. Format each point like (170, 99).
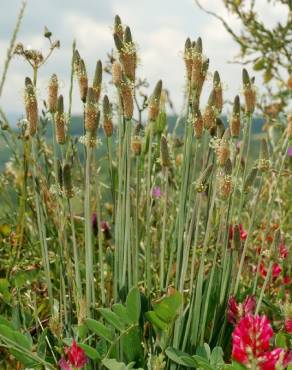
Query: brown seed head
(164, 152)
(91, 111)
(210, 113)
(129, 61)
(60, 122)
(289, 83)
(107, 114)
(117, 73)
(53, 94)
(198, 123)
(222, 152)
(31, 106)
(289, 127)
(225, 186)
(82, 81)
(249, 92)
(136, 145)
(127, 99)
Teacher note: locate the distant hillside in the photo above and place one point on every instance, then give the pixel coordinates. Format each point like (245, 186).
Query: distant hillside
(76, 130)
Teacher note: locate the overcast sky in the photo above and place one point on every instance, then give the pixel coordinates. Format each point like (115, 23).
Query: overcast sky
(159, 28)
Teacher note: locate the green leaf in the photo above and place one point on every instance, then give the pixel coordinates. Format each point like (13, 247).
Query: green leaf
(4, 290)
(259, 64)
(122, 313)
(216, 358)
(24, 277)
(155, 320)
(90, 352)
(17, 341)
(112, 318)
(203, 351)
(202, 363)
(132, 348)
(99, 329)
(133, 305)
(41, 349)
(113, 364)
(281, 340)
(180, 358)
(237, 366)
(167, 308)
(4, 321)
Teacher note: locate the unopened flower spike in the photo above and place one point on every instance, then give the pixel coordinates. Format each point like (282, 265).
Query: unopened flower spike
(154, 103)
(234, 123)
(203, 179)
(128, 35)
(107, 117)
(60, 122)
(164, 152)
(218, 92)
(67, 180)
(97, 79)
(118, 27)
(250, 179)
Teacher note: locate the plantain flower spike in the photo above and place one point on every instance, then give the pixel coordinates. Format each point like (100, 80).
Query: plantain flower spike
(31, 106)
(218, 92)
(97, 79)
(107, 117)
(154, 102)
(60, 122)
(249, 92)
(53, 93)
(234, 123)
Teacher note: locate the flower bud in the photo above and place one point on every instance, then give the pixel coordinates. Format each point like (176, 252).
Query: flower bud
(67, 179)
(153, 108)
(82, 79)
(118, 28)
(107, 117)
(188, 58)
(234, 123)
(164, 152)
(60, 122)
(97, 80)
(249, 93)
(218, 92)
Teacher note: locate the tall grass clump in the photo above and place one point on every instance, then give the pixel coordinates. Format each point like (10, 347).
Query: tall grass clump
(137, 245)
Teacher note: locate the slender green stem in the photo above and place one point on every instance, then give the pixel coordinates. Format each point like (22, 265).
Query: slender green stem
(163, 237)
(88, 236)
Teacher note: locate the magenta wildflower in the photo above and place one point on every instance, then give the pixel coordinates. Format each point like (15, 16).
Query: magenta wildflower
(156, 192)
(76, 358)
(237, 310)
